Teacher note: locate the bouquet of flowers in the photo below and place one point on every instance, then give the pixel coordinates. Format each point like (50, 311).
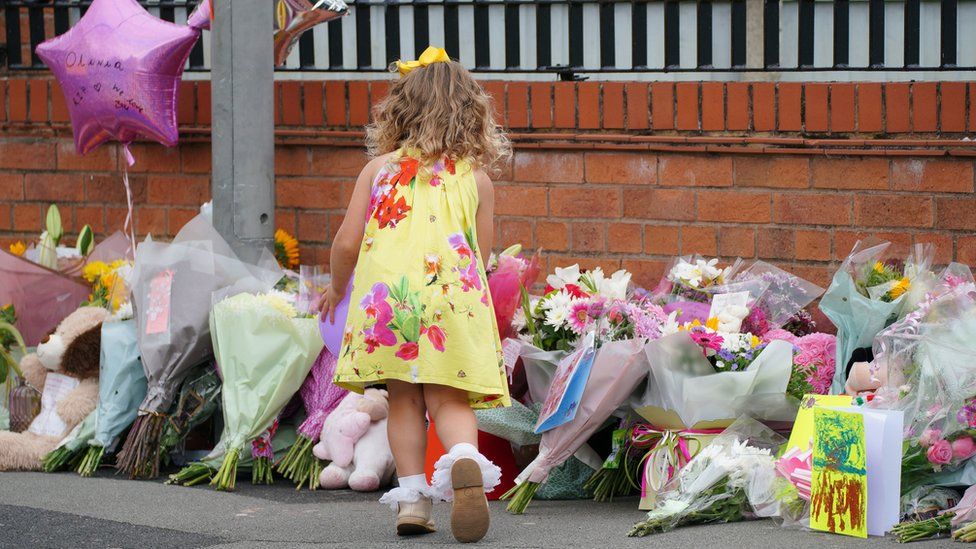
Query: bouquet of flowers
(871, 290)
(508, 273)
(730, 480)
(265, 351)
(782, 303)
(813, 361)
(172, 291)
(199, 398)
(693, 278)
(271, 445)
(9, 369)
(109, 286)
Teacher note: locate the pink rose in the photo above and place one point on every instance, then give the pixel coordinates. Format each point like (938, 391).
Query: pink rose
(940, 453)
(963, 448)
(930, 437)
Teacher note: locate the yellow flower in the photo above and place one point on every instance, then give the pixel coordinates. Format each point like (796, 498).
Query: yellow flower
(18, 248)
(712, 324)
(94, 271)
(286, 250)
(878, 267)
(900, 288)
(277, 301)
(754, 342)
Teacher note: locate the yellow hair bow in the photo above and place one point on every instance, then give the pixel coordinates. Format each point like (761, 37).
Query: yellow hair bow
(430, 56)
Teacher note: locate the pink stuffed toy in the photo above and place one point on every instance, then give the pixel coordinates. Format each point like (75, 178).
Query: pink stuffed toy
(354, 440)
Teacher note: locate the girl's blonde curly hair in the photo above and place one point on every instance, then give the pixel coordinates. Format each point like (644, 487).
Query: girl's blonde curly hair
(439, 110)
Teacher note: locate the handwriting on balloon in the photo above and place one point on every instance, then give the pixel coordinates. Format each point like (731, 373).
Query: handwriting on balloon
(75, 59)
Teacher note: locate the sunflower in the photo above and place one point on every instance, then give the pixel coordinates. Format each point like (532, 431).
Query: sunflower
(286, 249)
(18, 249)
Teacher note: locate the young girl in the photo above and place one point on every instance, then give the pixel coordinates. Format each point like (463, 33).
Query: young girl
(417, 231)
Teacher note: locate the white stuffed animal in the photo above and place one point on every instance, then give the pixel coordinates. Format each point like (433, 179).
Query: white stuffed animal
(354, 440)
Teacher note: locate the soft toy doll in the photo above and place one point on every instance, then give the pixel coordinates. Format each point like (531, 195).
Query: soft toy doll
(354, 439)
(65, 371)
(866, 377)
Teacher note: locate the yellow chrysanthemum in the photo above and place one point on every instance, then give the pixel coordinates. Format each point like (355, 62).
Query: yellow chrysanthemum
(754, 342)
(279, 302)
(18, 249)
(900, 288)
(712, 323)
(286, 249)
(878, 267)
(94, 271)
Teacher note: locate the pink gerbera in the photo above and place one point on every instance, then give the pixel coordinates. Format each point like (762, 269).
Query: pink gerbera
(579, 317)
(705, 339)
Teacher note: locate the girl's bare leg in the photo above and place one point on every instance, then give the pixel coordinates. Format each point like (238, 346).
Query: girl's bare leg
(407, 427)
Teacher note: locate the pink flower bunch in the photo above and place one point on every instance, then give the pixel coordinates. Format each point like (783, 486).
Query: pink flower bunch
(814, 356)
(647, 318)
(705, 339)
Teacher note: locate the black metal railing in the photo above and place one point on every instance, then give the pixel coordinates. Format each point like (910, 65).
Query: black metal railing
(570, 37)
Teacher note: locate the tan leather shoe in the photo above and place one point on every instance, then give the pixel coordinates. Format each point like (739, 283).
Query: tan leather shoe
(469, 514)
(414, 518)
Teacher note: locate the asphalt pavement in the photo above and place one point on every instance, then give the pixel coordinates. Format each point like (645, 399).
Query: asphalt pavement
(64, 510)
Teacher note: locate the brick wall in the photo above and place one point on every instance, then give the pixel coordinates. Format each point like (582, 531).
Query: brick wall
(616, 174)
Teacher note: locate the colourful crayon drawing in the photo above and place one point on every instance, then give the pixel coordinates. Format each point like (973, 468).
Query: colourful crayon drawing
(839, 493)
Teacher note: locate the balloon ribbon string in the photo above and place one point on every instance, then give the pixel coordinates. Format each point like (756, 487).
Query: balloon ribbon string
(129, 227)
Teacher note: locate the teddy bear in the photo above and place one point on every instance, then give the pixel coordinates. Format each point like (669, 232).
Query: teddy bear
(354, 440)
(64, 369)
(867, 377)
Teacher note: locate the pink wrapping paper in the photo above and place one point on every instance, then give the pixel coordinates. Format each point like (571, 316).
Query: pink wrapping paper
(506, 295)
(42, 297)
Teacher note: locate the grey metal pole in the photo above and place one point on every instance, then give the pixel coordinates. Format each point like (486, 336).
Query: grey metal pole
(243, 125)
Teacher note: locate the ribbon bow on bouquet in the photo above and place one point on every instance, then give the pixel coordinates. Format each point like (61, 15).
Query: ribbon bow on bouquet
(430, 56)
(668, 452)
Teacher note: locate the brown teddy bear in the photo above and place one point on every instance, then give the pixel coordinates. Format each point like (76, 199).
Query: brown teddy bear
(64, 369)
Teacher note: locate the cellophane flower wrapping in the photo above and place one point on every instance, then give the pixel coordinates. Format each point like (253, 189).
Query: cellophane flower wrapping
(265, 353)
(77, 440)
(928, 363)
(732, 479)
(121, 382)
(42, 297)
(505, 283)
(861, 301)
(785, 296)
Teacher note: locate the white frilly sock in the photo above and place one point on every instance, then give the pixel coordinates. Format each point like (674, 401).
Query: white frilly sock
(441, 486)
(411, 488)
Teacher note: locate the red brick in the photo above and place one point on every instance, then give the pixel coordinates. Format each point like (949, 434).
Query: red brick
(737, 113)
(151, 221)
(972, 111)
(772, 171)
(115, 218)
(335, 103)
(764, 106)
(104, 158)
(313, 227)
(358, 103)
(850, 173)
(186, 190)
(713, 106)
(841, 108)
(514, 231)
(613, 105)
(28, 218)
(310, 193)
(892, 210)
(932, 175)
(518, 105)
(734, 206)
(646, 273)
(6, 223)
(812, 245)
(589, 237)
(11, 186)
(17, 89)
(691, 170)
(699, 240)
(583, 202)
(30, 155)
(38, 101)
(662, 240)
(820, 276)
(541, 98)
(625, 238)
(338, 161)
(869, 108)
(896, 107)
(665, 204)
(3, 100)
(186, 103)
(544, 167)
(662, 106)
(687, 105)
(312, 105)
(956, 213)
(93, 216)
(178, 217)
(815, 107)
(54, 187)
(564, 94)
(966, 250)
(611, 167)
(941, 245)
(637, 106)
(520, 200)
(153, 157)
(291, 102)
(952, 114)
(737, 242)
(812, 208)
(59, 106)
(588, 99)
(291, 161)
(844, 241)
(195, 157)
(496, 91)
(789, 106)
(775, 243)
(552, 236)
(925, 116)
(203, 103)
(286, 219)
(110, 189)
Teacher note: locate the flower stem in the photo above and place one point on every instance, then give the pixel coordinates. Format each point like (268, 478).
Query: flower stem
(965, 533)
(226, 477)
(261, 471)
(906, 532)
(192, 474)
(91, 460)
(57, 459)
(521, 496)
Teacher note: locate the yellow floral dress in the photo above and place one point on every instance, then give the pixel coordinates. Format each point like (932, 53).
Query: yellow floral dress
(420, 310)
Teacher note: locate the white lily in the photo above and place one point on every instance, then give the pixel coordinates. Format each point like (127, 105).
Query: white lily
(564, 276)
(615, 287)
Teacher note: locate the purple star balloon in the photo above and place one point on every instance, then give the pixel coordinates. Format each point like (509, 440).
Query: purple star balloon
(119, 68)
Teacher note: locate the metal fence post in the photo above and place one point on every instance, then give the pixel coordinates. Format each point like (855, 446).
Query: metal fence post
(243, 125)
(754, 34)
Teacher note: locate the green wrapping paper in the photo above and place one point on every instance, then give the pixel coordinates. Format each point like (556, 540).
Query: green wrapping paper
(264, 354)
